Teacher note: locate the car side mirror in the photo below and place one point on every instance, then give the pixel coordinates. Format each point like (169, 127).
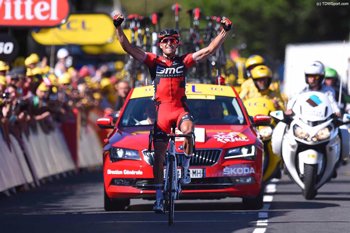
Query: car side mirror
(115, 116)
(261, 120)
(105, 122)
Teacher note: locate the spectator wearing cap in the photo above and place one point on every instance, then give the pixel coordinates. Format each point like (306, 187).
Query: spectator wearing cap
(53, 80)
(106, 90)
(3, 68)
(120, 71)
(29, 86)
(60, 67)
(41, 110)
(64, 87)
(42, 91)
(74, 74)
(32, 63)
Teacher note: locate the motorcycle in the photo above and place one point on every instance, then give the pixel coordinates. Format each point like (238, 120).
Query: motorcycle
(272, 162)
(313, 143)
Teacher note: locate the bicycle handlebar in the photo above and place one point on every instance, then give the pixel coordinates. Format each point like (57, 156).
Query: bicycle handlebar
(197, 13)
(176, 8)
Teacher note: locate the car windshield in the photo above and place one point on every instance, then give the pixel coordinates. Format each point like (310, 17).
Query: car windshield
(219, 111)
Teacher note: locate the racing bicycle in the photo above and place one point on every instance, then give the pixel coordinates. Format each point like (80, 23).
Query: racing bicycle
(172, 184)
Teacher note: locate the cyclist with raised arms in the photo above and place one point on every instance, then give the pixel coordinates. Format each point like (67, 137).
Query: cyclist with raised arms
(168, 73)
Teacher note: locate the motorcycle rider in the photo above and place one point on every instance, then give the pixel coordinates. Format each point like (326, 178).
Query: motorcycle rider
(262, 76)
(314, 77)
(332, 80)
(248, 86)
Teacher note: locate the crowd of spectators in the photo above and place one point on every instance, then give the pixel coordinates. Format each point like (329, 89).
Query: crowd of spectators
(31, 92)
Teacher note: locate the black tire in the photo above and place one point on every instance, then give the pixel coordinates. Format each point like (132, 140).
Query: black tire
(257, 202)
(171, 192)
(266, 158)
(115, 204)
(310, 191)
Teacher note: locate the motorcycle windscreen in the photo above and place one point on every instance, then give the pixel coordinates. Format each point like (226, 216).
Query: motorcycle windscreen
(313, 106)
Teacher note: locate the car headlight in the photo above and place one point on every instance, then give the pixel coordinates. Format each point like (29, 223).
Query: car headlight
(300, 132)
(121, 153)
(245, 152)
(265, 131)
(323, 134)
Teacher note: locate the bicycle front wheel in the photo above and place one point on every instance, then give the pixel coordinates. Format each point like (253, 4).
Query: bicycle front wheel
(171, 190)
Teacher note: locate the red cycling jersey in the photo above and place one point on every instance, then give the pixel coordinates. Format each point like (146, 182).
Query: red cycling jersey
(168, 76)
(169, 82)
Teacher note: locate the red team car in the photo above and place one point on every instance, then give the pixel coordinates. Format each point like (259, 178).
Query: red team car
(228, 159)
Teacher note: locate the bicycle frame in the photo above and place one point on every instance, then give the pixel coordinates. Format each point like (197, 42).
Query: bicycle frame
(172, 185)
(171, 160)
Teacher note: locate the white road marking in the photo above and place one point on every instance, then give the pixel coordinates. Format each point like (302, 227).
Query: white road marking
(268, 198)
(271, 188)
(263, 216)
(259, 230)
(262, 222)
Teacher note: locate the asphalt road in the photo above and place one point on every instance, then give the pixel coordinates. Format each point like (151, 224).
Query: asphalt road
(75, 204)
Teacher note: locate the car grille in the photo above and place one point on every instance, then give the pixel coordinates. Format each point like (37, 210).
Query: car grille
(202, 158)
(196, 184)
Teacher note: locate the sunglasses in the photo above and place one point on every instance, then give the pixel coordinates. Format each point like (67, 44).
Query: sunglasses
(172, 41)
(314, 76)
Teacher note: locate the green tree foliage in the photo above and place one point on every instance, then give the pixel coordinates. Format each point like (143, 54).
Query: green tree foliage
(265, 26)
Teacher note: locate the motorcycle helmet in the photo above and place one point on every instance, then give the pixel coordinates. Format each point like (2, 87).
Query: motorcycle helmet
(253, 61)
(169, 32)
(260, 72)
(316, 68)
(330, 73)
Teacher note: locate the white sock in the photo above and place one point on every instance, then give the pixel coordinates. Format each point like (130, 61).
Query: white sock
(159, 193)
(186, 161)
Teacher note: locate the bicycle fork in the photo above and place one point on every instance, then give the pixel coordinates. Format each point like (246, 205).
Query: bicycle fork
(176, 187)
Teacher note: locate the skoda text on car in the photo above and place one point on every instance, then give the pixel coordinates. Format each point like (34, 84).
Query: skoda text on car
(228, 157)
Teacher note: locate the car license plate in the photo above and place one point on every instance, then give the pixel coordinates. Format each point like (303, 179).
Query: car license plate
(195, 173)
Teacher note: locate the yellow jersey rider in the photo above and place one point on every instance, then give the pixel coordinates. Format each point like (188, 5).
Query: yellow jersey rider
(261, 77)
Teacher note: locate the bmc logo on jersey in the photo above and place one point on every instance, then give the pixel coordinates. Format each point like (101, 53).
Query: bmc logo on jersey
(170, 70)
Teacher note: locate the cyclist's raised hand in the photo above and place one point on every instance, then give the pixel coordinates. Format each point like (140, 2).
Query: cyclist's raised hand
(118, 19)
(226, 24)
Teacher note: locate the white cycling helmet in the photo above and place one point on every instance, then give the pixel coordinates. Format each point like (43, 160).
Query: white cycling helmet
(315, 68)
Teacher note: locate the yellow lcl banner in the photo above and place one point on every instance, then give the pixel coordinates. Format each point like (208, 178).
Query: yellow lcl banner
(79, 29)
(204, 91)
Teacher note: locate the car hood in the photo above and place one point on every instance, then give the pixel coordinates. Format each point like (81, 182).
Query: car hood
(218, 136)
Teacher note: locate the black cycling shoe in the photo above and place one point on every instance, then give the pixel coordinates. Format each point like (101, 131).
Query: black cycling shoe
(186, 178)
(158, 208)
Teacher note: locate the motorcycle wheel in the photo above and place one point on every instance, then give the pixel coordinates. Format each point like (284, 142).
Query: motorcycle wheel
(310, 191)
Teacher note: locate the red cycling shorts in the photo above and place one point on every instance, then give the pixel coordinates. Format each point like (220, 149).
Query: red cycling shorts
(168, 113)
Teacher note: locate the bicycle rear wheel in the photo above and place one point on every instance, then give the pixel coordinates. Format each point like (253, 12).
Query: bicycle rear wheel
(171, 190)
